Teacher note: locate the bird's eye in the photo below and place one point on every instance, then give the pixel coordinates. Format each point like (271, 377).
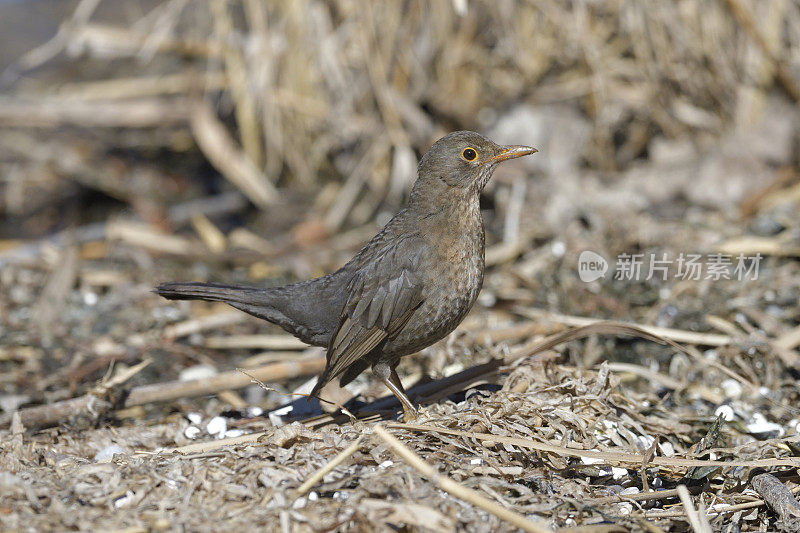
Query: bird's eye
(469, 154)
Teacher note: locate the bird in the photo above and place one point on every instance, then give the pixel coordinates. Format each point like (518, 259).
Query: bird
(407, 288)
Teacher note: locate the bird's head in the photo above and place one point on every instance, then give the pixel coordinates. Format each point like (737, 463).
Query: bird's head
(466, 160)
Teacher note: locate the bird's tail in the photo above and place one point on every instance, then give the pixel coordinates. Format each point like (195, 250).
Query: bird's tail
(215, 292)
(259, 302)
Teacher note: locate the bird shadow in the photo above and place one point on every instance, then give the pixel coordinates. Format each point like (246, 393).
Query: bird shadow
(453, 388)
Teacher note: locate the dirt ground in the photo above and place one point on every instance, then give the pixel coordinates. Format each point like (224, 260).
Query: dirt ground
(632, 361)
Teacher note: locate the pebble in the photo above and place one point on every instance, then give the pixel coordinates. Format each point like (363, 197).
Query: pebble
(731, 388)
(122, 501)
(644, 441)
(667, 449)
(299, 503)
(275, 416)
(759, 424)
(725, 411)
(191, 432)
(619, 473)
(253, 411)
(217, 426)
(197, 372)
(107, 453)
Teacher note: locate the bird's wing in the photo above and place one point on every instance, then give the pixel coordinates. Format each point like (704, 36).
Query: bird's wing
(382, 297)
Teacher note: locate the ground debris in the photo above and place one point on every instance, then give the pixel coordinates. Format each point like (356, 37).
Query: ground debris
(161, 142)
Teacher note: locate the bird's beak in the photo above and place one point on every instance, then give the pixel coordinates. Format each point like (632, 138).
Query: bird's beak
(511, 152)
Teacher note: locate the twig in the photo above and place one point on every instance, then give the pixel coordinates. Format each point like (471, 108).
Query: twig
(211, 236)
(199, 447)
(196, 325)
(172, 390)
(149, 238)
(222, 152)
(261, 342)
(178, 214)
(655, 377)
(601, 327)
(744, 18)
(611, 458)
(123, 376)
(245, 107)
(713, 510)
(56, 111)
(333, 463)
(790, 339)
(93, 402)
(54, 294)
(454, 488)
(139, 87)
(698, 522)
(677, 335)
(638, 497)
(46, 415)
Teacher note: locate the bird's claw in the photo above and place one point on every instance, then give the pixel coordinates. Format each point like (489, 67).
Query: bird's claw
(409, 415)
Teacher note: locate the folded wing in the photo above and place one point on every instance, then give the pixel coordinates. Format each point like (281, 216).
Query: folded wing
(383, 296)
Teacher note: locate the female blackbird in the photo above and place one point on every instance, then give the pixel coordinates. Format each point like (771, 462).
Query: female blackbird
(410, 286)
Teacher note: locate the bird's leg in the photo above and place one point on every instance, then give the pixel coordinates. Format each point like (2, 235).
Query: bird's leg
(409, 411)
(388, 375)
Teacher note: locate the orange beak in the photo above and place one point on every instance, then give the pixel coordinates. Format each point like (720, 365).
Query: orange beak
(512, 152)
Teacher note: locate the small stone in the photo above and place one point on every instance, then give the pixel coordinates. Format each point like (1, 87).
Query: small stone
(618, 473)
(299, 503)
(197, 372)
(125, 500)
(191, 432)
(761, 426)
(217, 426)
(107, 453)
(725, 411)
(667, 449)
(731, 388)
(253, 411)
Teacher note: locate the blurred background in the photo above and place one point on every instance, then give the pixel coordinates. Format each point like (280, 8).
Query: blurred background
(264, 142)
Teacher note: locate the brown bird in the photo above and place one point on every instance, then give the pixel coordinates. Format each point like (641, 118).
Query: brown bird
(410, 286)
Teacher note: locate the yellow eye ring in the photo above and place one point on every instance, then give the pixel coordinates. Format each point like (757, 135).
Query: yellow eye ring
(469, 154)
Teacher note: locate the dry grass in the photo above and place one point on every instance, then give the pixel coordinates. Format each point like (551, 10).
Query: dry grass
(669, 127)
(347, 93)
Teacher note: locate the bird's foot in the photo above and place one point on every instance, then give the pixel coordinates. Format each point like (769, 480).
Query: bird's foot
(410, 413)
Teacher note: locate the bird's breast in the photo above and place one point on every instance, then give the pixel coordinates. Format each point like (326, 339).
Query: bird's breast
(453, 279)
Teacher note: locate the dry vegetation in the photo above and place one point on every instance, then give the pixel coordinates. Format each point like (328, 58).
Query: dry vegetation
(256, 142)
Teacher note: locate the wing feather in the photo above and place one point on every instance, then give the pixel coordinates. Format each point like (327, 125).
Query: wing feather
(382, 298)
